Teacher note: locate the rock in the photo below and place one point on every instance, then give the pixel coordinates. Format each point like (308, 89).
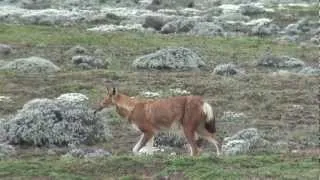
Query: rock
(3, 133)
(292, 29)
(171, 58)
(316, 31)
(155, 22)
(31, 64)
(76, 50)
(48, 17)
(178, 92)
(6, 150)
(229, 116)
(99, 53)
(288, 38)
(51, 152)
(226, 70)
(35, 4)
(61, 121)
(148, 150)
(241, 143)
(88, 153)
(2, 62)
(108, 18)
(178, 26)
(64, 17)
(214, 11)
(112, 27)
(280, 147)
(89, 62)
(149, 94)
(207, 29)
(310, 71)
(78, 3)
(265, 29)
(251, 9)
(232, 27)
(269, 60)
(163, 4)
(236, 1)
(315, 40)
(5, 49)
(5, 99)
(229, 8)
(233, 17)
(236, 147)
(302, 26)
(72, 99)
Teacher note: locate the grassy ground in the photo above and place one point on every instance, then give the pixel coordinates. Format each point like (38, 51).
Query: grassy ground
(160, 166)
(283, 107)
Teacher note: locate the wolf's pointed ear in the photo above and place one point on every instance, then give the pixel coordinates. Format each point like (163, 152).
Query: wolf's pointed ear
(114, 91)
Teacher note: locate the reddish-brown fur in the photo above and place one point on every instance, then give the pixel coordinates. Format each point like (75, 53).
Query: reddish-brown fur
(186, 113)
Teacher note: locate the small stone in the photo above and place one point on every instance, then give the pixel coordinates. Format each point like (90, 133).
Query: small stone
(5, 49)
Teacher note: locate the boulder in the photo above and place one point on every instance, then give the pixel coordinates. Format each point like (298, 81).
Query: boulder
(78, 3)
(5, 49)
(265, 29)
(301, 27)
(155, 22)
(89, 62)
(241, 143)
(6, 150)
(207, 29)
(171, 58)
(310, 71)
(316, 39)
(35, 4)
(251, 9)
(180, 25)
(101, 18)
(169, 4)
(76, 50)
(213, 12)
(226, 69)
(233, 17)
(31, 64)
(270, 60)
(230, 116)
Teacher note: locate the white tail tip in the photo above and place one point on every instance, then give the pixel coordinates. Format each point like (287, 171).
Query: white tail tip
(207, 109)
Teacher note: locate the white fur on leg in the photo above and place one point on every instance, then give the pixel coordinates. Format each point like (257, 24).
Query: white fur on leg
(213, 141)
(149, 145)
(191, 150)
(148, 148)
(136, 147)
(216, 145)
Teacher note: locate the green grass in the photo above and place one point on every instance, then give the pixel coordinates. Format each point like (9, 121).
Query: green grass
(130, 167)
(124, 46)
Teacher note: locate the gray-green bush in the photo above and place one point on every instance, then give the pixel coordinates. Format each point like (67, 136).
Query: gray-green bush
(61, 121)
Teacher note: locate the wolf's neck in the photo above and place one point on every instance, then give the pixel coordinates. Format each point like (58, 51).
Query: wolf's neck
(125, 105)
